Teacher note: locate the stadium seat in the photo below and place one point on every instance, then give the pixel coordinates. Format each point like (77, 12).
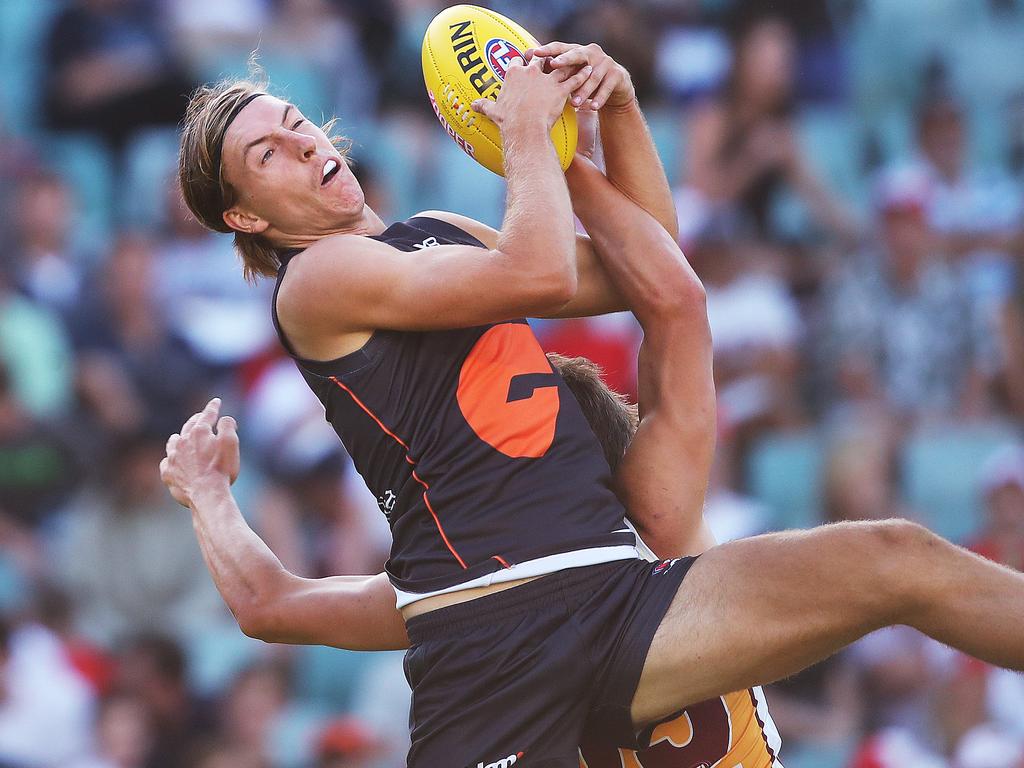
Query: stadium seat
(216, 654)
(151, 164)
(85, 163)
(326, 677)
(291, 742)
(23, 26)
(835, 146)
(784, 473)
(940, 482)
(14, 587)
(464, 186)
(668, 128)
(292, 78)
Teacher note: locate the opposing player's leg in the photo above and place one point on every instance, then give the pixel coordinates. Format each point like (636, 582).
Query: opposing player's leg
(757, 610)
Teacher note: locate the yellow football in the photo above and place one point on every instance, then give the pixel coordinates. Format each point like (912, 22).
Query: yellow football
(466, 52)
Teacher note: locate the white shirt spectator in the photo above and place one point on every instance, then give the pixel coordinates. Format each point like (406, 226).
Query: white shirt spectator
(46, 715)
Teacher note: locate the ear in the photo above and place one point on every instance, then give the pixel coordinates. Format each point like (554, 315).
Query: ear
(243, 221)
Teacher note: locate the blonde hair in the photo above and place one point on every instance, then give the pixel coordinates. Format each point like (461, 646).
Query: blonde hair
(207, 195)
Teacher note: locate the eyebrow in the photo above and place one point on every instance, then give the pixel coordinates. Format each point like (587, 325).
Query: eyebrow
(284, 118)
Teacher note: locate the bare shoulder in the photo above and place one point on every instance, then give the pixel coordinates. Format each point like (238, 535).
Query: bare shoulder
(332, 268)
(485, 234)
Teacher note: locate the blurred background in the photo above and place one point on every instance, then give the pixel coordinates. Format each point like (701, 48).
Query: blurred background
(849, 177)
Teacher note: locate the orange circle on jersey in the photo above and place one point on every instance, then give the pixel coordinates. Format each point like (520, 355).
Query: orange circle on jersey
(519, 428)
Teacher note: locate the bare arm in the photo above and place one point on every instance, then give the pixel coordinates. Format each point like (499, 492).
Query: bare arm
(631, 159)
(531, 269)
(596, 294)
(664, 474)
(269, 603)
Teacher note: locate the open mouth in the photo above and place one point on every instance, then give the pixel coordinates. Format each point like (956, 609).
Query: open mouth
(331, 168)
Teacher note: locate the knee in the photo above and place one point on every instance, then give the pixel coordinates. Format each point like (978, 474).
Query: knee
(898, 551)
(898, 536)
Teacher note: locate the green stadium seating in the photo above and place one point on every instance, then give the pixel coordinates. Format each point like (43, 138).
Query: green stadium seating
(784, 473)
(940, 475)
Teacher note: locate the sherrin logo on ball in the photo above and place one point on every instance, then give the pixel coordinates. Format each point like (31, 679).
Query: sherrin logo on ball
(467, 51)
(499, 54)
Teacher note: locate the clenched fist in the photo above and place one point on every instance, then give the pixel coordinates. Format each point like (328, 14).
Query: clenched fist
(204, 456)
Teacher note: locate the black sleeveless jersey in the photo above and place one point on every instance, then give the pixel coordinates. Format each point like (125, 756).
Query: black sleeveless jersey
(476, 450)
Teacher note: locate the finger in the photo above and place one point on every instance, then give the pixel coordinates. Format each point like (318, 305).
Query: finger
(484, 107)
(565, 73)
(227, 428)
(209, 415)
(577, 80)
(549, 49)
(599, 98)
(165, 466)
(586, 89)
(574, 57)
(190, 423)
(172, 441)
(537, 62)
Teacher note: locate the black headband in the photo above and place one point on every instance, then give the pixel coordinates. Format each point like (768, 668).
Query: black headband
(219, 146)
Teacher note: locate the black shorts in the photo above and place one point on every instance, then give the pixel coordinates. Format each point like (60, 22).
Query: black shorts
(514, 677)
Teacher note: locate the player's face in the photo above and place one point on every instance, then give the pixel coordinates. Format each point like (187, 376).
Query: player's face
(290, 180)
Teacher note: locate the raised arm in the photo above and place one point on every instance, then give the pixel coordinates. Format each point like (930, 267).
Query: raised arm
(269, 602)
(529, 270)
(663, 476)
(630, 156)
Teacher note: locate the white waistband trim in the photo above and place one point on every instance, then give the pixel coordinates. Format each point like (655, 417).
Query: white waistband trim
(539, 567)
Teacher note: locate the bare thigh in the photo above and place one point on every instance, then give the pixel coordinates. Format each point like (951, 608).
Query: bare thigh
(753, 611)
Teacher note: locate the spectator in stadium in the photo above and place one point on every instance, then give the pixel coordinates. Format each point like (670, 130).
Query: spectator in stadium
(251, 708)
(110, 70)
(35, 351)
(757, 329)
(820, 711)
(124, 735)
(345, 743)
(903, 674)
(309, 507)
(860, 477)
(19, 160)
(154, 668)
(220, 755)
(743, 146)
(39, 468)
(223, 320)
(130, 367)
(309, 515)
(898, 331)
(46, 707)
(1011, 339)
(1002, 484)
(128, 559)
(976, 212)
(47, 269)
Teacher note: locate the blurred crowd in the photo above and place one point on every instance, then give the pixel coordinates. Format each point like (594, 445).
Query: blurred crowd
(850, 183)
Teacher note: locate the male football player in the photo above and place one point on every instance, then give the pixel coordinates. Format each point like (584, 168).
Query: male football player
(532, 615)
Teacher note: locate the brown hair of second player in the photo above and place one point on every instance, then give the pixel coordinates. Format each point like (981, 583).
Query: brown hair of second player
(611, 416)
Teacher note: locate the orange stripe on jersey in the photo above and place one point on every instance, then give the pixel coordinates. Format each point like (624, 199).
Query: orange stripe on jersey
(409, 459)
(437, 521)
(373, 416)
